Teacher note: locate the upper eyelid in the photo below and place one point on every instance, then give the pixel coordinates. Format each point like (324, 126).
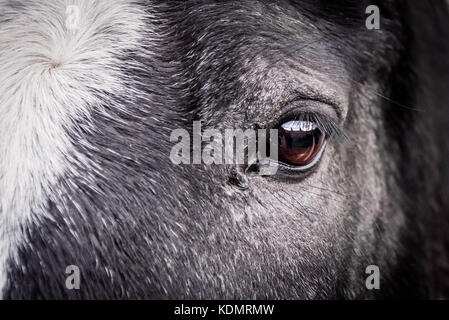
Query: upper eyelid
(326, 116)
(329, 97)
(327, 125)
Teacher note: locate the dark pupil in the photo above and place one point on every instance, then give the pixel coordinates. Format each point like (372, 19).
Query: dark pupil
(299, 147)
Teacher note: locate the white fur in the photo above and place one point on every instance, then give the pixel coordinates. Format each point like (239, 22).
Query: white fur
(50, 76)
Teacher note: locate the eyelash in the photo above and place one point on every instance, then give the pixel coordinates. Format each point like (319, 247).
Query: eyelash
(330, 127)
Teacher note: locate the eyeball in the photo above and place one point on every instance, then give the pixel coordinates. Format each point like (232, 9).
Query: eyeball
(300, 143)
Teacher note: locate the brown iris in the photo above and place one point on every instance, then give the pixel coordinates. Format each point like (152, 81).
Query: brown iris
(299, 143)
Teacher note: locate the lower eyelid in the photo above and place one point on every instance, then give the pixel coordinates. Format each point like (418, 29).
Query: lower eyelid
(308, 166)
(290, 171)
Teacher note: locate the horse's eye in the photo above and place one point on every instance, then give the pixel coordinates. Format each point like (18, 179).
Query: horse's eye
(300, 143)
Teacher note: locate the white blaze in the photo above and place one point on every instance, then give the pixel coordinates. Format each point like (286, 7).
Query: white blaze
(53, 69)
